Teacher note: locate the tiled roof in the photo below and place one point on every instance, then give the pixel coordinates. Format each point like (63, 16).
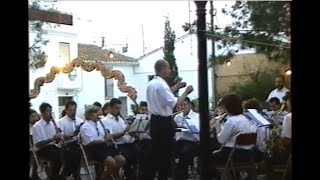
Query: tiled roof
(92, 52)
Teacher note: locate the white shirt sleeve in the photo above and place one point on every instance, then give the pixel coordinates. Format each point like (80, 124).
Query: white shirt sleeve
(286, 127)
(269, 97)
(168, 98)
(86, 135)
(36, 134)
(226, 132)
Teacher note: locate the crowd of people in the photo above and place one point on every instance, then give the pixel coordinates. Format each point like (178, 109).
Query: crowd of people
(166, 143)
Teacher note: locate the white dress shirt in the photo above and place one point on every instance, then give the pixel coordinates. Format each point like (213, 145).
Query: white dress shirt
(117, 126)
(186, 135)
(278, 93)
(43, 130)
(287, 126)
(261, 137)
(160, 98)
(67, 125)
(91, 131)
(233, 126)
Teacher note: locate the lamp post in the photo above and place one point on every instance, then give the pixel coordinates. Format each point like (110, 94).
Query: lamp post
(203, 89)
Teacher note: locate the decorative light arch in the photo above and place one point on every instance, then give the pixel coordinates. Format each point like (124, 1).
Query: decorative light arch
(86, 66)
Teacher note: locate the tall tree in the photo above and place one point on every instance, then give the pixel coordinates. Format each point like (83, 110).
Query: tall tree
(264, 26)
(37, 57)
(168, 50)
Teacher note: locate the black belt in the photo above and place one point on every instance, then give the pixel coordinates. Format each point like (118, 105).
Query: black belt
(162, 117)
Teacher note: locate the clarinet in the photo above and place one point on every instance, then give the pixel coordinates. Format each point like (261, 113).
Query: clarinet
(106, 132)
(58, 130)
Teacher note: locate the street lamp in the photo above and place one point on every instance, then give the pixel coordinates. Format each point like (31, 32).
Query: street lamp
(288, 72)
(111, 55)
(73, 75)
(228, 63)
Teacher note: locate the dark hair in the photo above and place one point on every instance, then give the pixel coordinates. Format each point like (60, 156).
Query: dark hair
(63, 113)
(43, 106)
(287, 97)
(159, 65)
(274, 100)
(143, 103)
(233, 104)
(70, 103)
(279, 76)
(105, 106)
(193, 104)
(187, 99)
(114, 101)
(97, 104)
(31, 111)
(253, 104)
(245, 98)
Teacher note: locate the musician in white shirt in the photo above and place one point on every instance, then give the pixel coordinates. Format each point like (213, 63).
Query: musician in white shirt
(161, 102)
(45, 138)
(286, 133)
(261, 149)
(99, 145)
(280, 90)
(236, 123)
(68, 125)
(186, 141)
(119, 131)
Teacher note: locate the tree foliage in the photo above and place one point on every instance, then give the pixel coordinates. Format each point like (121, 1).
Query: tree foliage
(37, 57)
(168, 50)
(264, 26)
(258, 86)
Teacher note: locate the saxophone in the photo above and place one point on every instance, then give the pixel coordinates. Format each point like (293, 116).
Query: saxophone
(274, 143)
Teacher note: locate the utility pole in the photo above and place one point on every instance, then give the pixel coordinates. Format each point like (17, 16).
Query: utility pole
(213, 62)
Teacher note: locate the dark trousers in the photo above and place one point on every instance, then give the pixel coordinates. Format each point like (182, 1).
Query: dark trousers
(162, 132)
(53, 154)
(185, 151)
(144, 157)
(72, 156)
(128, 150)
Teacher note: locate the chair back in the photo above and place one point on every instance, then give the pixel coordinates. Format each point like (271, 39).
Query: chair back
(246, 139)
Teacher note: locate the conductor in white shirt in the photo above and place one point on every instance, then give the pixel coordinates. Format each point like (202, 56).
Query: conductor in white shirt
(161, 102)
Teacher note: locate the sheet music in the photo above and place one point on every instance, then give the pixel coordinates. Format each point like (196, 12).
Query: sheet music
(140, 123)
(258, 118)
(141, 116)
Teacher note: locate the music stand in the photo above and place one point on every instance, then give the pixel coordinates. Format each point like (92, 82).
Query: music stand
(140, 124)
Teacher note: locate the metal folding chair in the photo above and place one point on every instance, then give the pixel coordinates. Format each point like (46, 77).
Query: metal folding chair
(242, 139)
(285, 169)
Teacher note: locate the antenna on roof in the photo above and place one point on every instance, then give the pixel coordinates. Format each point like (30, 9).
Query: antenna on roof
(143, 46)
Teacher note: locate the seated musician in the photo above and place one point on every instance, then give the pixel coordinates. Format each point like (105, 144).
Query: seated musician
(105, 109)
(186, 142)
(68, 125)
(45, 138)
(144, 145)
(235, 123)
(33, 118)
(287, 123)
(119, 131)
(98, 145)
(261, 149)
